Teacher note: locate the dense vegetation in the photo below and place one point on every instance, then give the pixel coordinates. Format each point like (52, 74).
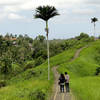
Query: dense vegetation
(31, 83)
(22, 52)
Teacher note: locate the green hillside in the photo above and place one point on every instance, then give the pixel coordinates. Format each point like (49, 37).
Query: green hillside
(84, 83)
(32, 84)
(29, 84)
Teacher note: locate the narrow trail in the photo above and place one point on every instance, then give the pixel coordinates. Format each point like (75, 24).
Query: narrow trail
(56, 91)
(77, 53)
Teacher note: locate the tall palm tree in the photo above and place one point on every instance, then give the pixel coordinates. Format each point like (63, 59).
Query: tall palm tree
(94, 20)
(45, 13)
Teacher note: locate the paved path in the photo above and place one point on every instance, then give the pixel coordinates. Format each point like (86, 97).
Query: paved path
(56, 90)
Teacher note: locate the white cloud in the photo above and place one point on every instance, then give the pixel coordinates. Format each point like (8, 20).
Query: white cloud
(17, 5)
(92, 2)
(83, 11)
(2, 16)
(11, 2)
(67, 7)
(15, 16)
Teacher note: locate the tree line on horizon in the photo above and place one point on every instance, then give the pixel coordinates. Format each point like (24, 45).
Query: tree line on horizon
(22, 52)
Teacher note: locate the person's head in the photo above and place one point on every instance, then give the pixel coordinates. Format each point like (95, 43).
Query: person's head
(65, 73)
(62, 75)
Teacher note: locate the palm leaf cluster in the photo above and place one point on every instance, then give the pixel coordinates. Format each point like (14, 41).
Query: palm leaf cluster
(93, 20)
(46, 12)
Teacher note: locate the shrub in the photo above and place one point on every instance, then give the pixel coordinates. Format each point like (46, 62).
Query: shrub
(5, 65)
(2, 83)
(39, 61)
(97, 71)
(99, 37)
(29, 65)
(92, 38)
(97, 58)
(82, 35)
(37, 95)
(29, 74)
(16, 69)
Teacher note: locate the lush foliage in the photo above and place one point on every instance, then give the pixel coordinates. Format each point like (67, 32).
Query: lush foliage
(16, 51)
(32, 84)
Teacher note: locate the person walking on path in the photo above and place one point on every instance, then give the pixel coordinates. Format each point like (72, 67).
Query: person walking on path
(62, 82)
(67, 82)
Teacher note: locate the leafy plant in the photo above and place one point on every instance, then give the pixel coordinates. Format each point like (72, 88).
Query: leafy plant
(37, 95)
(97, 71)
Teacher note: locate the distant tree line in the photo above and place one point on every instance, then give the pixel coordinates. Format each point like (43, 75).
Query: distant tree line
(15, 50)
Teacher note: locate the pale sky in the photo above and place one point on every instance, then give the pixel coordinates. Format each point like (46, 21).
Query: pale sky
(16, 17)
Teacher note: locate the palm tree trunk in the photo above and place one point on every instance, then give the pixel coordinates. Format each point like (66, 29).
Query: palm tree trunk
(94, 30)
(48, 50)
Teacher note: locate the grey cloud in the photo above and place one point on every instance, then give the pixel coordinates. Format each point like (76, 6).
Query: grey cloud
(83, 11)
(92, 2)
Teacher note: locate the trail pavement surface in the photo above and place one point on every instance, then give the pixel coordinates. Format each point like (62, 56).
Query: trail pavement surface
(56, 90)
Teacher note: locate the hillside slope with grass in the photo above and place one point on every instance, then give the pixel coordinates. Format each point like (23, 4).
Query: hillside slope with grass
(85, 82)
(32, 84)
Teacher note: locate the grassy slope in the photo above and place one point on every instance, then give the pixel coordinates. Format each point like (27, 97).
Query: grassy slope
(24, 85)
(84, 83)
(81, 70)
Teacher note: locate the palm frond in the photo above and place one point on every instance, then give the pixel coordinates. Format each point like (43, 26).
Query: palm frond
(93, 20)
(46, 12)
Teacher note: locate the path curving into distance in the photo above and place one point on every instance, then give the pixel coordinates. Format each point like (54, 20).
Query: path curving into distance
(56, 91)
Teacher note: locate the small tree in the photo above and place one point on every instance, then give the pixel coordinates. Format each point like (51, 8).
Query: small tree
(5, 65)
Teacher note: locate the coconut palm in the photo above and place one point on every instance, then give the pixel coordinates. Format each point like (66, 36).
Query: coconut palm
(45, 13)
(94, 20)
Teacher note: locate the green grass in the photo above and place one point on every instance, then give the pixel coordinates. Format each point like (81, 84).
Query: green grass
(81, 71)
(85, 85)
(21, 91)
(86, 88)
(21, 86)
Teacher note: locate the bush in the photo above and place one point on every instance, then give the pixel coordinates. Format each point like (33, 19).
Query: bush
(5, 65)
(16, 69)
(99, 37)
(29, 65)
(97, 58)
(29, 74)
(82, 35)
(39, 61)
(37, 95)
(2, 83)
(92, 39)
(97, 71)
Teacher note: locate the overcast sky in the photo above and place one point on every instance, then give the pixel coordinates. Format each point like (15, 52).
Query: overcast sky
(16, 17)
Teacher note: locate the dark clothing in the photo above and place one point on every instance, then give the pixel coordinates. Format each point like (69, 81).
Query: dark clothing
(67, 87)
(61, 88)
(62, 80)
(61, 83)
